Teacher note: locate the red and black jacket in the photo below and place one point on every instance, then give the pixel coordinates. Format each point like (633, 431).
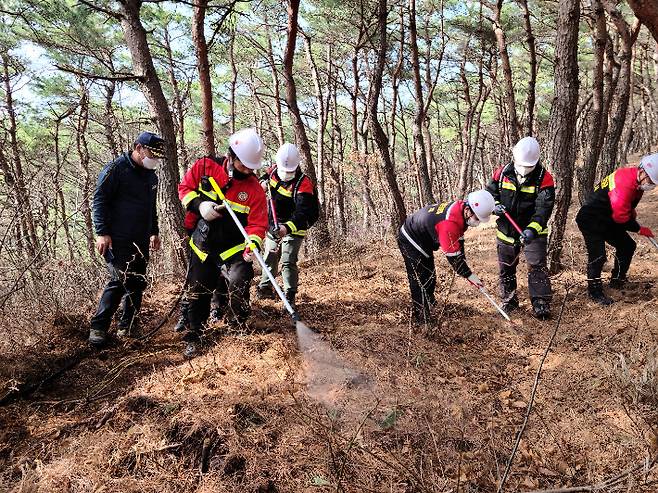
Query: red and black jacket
(439, 226)
(613, 201)
(529, 203)
(295, 201)
(245, 197)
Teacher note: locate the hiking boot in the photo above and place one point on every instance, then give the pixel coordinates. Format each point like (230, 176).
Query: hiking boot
(421, 318)
(181, 325)
(192, 349)
(541, 309)
(595, 291)
(97, 337)
(216, 316)
(511, 305)
(290, 296)
(618, 282)
(265, 292)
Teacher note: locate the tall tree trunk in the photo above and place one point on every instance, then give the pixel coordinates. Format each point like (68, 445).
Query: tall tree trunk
(381, 140)
(419, 115)
(234, 81)
(169, 176)
(275, 84)
(587, 173)
(501, 40)
(562, 121)
(178, 101)
(203, 65)
(83, 157)
(24, 209)
(610, 150)
(532, 81)
(301, 138)
(109, 121)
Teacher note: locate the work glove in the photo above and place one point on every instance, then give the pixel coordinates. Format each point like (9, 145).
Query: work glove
(644, 231)
(475, 281)
(499, 210)
(248, 255)
(528, 236)
(210, 211)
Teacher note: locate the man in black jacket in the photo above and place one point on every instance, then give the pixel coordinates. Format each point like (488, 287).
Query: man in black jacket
(295, 210)
(126, 225)
(525, 190)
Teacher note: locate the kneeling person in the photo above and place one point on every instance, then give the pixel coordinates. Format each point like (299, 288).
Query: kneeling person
(439, 226)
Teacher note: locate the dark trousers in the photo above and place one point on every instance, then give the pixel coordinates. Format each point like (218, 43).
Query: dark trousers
(127, 268)
(422, 278)
(185, 303)
(595, 241)
(539, 283)
(230, 281)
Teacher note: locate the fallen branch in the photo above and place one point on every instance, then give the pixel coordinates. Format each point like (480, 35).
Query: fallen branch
(532, 396)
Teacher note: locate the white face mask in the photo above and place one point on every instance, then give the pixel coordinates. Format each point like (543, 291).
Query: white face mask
(151, 163)
(647, 187)
(285, 175)
(523, 170)
(473, 222)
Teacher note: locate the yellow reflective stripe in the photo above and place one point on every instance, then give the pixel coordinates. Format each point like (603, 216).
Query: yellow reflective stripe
(301, 232)
(528, 189)
(216, 188)
(536, 226)
(612, 181)
(211, 195)
(200, 253)
(509, 186)
(238, 207)
(502, 236)
(189, 197)
(231, 251)
(291, 226)
(256, 239)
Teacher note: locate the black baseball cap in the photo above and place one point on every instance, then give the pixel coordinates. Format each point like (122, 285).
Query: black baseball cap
(152, 142)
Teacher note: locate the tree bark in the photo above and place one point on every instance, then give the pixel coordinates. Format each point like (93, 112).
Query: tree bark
(532, 82)
(381, 140)
(419, 115)
(610, 150)
(203, 65)
(647, 12)
(135, 36)
(501, 41)
(598, 121)
(562, 121)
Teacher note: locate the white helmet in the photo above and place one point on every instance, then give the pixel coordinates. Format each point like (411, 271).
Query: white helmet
(248, 146)
(526, 155)
(482, 204)
(650, 165)
(287, 157)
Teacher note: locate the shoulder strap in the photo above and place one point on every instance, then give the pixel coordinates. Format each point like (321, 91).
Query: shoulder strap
(540, 180)
(297, 185)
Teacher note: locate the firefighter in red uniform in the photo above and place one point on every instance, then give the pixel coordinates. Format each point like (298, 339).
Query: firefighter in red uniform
(526, 191)
(439, 226)
(296, 209)
(607, 216)
(219, 253)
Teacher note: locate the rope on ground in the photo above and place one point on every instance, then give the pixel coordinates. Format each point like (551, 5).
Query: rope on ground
(531, 402)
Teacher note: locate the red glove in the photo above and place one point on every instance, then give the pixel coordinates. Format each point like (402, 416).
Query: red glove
(644, 231)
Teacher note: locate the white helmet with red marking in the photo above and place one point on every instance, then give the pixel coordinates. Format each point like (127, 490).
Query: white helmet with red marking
(482, 204)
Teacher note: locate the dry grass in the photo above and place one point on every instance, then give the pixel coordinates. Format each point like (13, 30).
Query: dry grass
(437, 412)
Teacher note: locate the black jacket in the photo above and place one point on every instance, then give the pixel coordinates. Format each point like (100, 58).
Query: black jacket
(125, 202)
(295, 202)
(530, 204)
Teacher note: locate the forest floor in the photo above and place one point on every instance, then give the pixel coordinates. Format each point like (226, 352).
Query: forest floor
(422, 411)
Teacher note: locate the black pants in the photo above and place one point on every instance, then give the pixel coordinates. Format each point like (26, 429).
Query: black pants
(127, 268)
(595, 241)
(230, 281)
(422, 278)
(539, 283)
(185, 303)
